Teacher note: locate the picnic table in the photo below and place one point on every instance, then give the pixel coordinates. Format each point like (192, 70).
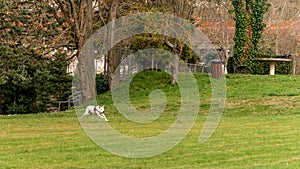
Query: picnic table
(272, 62)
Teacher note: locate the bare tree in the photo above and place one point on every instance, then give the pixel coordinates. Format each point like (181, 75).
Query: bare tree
(282, 27)
(214, 19)
(183, 9)
(113, 57)
(78, 14)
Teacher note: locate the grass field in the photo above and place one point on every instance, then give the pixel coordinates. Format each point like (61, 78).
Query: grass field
(260, 128)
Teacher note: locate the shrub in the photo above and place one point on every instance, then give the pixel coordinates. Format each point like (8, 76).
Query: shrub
(260, 68)
(263, 68)
(102, 84)
(31, 83)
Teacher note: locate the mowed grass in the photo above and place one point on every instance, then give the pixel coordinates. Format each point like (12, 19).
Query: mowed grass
(260, 128)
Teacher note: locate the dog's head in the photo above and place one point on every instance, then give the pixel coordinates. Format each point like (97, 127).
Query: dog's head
(100, 109)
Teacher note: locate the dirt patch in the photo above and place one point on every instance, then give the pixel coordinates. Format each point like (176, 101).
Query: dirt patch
(271, 101)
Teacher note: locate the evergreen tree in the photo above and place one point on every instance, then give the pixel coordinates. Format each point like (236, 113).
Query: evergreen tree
(32, 77)
(31, 83)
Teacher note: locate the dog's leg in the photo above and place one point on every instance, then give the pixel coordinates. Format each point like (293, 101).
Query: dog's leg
(101, 115)
(86, 113)
(104, 117)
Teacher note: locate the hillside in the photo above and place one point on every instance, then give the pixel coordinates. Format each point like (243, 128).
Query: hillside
(262, 93)
(259, 129)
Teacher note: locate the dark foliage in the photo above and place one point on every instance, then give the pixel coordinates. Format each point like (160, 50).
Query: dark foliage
(102, 84)
(261, 68)
(31, 83)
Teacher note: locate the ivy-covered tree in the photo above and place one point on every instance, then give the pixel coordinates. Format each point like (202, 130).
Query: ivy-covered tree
(248, 15)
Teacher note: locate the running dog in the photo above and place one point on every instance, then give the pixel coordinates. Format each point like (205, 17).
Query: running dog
(98, 110)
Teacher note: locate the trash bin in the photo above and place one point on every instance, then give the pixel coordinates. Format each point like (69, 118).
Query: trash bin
(216, 68)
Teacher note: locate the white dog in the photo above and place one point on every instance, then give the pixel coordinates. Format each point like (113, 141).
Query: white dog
(98, 110)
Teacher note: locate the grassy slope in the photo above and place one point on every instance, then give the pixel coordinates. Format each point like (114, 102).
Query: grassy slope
(259, 129)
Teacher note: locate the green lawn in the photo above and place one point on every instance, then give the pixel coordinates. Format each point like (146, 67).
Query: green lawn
(260, 128)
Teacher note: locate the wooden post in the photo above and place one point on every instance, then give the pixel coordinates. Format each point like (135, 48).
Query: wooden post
(175, 69)
(294, 66)
(272, 68)
(152, 62)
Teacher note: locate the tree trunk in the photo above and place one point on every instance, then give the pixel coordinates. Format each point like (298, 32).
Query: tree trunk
(112, 54)
(87, 76)
(175, 68)
(152, 63)
(83, 30)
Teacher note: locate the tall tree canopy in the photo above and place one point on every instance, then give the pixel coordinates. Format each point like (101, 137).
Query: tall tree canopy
(84, 17)
(33, 74)
(38, 33)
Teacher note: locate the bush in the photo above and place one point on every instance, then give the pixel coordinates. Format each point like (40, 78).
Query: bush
(102, 84)
(263, 68)
(260, 68)
(31, 83)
